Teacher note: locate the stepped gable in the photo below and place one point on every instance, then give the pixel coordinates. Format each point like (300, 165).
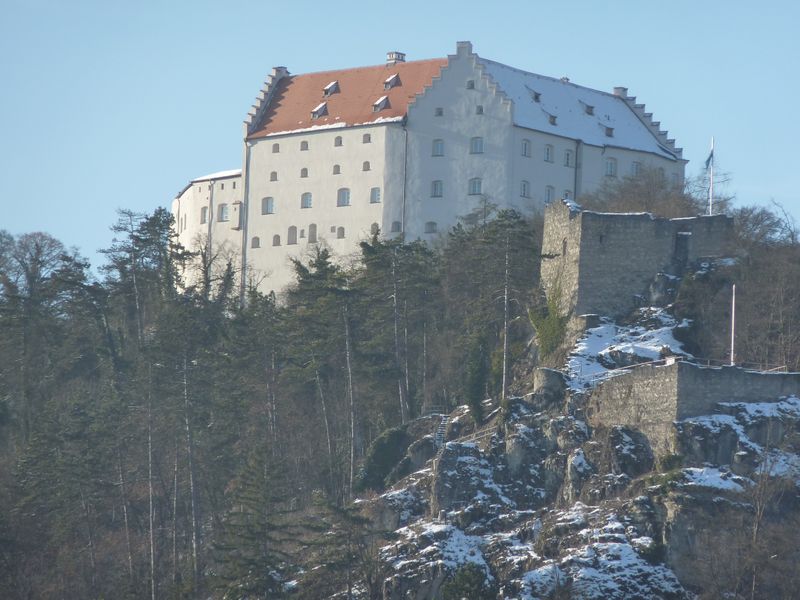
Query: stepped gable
(352, 103)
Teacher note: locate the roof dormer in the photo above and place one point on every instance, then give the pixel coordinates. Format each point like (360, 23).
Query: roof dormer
(391, 81)
(320, 110)
(380, 104)
(331, 88)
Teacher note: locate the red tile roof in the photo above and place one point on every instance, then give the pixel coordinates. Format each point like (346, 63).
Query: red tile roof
(297, 95)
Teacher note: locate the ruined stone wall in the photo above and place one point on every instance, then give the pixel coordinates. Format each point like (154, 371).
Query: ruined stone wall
(619, 256)
(644, 399)
(700, 388)
(561, 242)
(650, 398)
(603, 262)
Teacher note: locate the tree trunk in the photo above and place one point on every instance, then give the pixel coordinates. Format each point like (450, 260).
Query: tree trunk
(327, 422)
(124, 498)
(150, 516)
(352, 402)
(187, 417)
(505, 331)
(396, 318)
(175, 518)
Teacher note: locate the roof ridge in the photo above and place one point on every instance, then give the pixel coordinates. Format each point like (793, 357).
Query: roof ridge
(350, 69)
(550, 77)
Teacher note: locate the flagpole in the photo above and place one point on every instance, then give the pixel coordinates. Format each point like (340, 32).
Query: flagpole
(711, 186)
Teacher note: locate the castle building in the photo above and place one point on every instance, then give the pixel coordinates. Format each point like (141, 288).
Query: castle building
(408, 148)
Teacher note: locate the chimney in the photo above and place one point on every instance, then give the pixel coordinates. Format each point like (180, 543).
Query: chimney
(622, 92)
(395, 57)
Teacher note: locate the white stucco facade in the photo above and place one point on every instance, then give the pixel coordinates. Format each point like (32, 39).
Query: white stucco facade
(477, 131)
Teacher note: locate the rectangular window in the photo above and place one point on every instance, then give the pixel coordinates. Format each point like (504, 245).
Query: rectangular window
(475, 186)
(568, 158)
(548, 153)
(222, 212)
(438, 148)
(438, 112)
(549, 193)
(636, 169)
(375, 195)
(203, 215)
(437, 189)
(476, 145)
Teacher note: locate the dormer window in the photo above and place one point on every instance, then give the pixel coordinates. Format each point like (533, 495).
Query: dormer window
(588, 109)
(380, 104)
(609, 132)
(320, 110)
(330, 89)
(552, 119)
(537, 97)
(391, 82)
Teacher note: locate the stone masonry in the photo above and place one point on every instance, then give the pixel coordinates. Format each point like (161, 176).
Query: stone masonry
(601, 263)
(651, 398)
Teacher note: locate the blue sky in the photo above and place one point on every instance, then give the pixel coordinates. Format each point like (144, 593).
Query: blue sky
(111, 104)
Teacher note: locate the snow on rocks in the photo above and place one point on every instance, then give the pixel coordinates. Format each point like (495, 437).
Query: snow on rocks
(606, 349)
(712, 477)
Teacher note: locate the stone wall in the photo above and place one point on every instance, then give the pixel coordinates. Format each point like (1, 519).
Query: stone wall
(701, 388)
(561, 242)
(650, 398)
(602, 262)
(644, 399)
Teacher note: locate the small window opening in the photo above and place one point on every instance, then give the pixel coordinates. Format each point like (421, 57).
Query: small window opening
(304, 145)
(438, 112)
(479, 109)
(365, 166)
(470, 84)
(273, 176)
(255, 242)
(320, 110)
(396, 226)
(276, 240)
(337, 170)
(366, 139)
(276, 148)
(337, 141)
(303, 172)
(340, 233)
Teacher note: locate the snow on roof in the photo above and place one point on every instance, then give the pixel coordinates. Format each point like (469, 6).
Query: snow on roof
(536, 98)
(219, 175)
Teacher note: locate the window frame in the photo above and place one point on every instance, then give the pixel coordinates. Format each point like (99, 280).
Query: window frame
(475, 187)
(476, 145)
(343, 197)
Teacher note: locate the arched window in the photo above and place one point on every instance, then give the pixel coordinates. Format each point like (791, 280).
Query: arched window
(306, 200)
(525, 189)
(430, 227)
(276, 240)
(476, 145)
(291, 236)
(267, 206)
(365, 166)
(340, 233)
(343, 197)
(304, 145)
(548, 153)
(374, 229)
(312, 233)
(526, 148)
(255, 242)
(222, 212)
(337, 169)
(337, 141)
(375, 195)
(568, 158)
(549, 194)
(396, 226)
(437, 188)
(611, 167)
(366, 139)
(276, 148)
(438, 148)
(475, 186)
(303, 172)
(273, 176)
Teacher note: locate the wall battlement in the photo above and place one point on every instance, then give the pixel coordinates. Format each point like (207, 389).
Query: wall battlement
(601, 262)
(651, 398)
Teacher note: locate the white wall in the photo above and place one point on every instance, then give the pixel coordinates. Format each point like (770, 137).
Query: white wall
(271, 264)
(456, 127)
(225, 237)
